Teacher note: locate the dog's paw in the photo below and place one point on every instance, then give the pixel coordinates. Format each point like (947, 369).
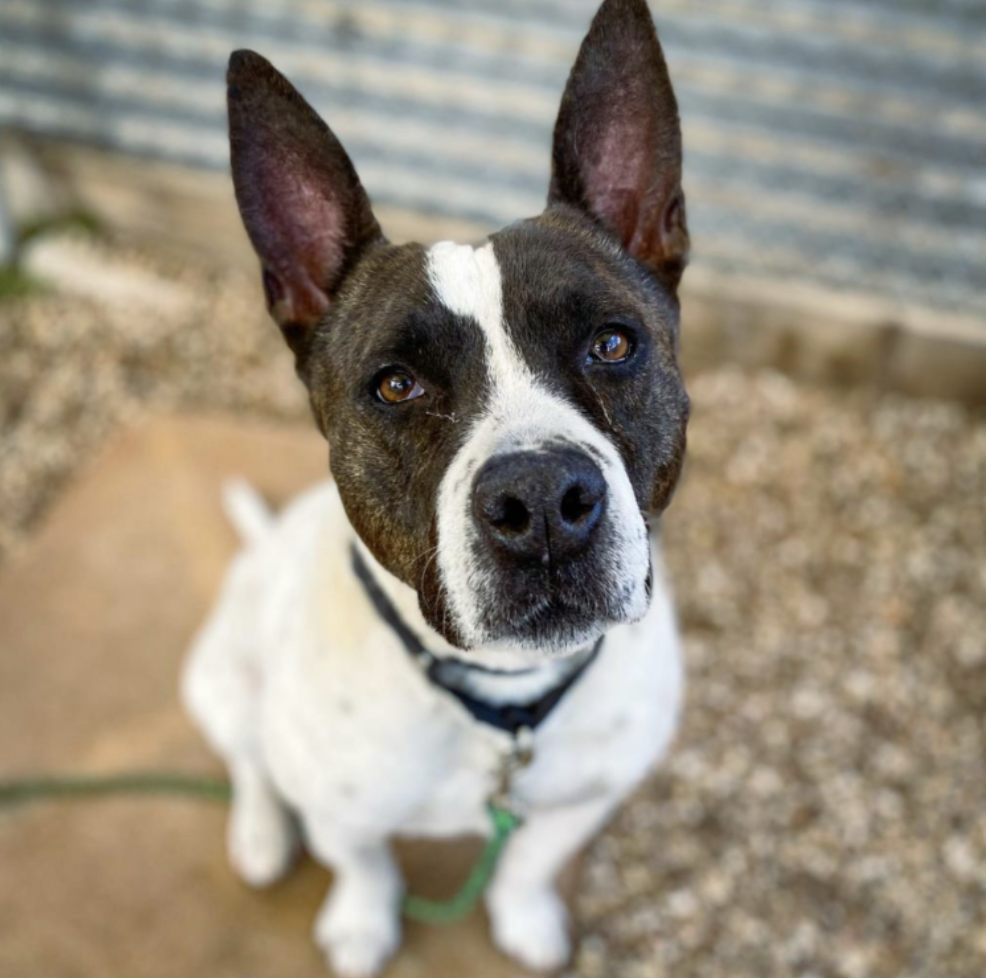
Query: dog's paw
(357, 939)
(531, 928)
(262, 842)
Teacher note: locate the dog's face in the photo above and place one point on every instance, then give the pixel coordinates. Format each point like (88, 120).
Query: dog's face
(503, 418)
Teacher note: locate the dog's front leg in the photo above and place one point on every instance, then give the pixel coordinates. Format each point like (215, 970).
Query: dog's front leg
(261, 836)
(528, 917)
(358, 927)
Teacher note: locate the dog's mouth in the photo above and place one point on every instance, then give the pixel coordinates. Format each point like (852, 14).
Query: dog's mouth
(560, 616)
(552, 627)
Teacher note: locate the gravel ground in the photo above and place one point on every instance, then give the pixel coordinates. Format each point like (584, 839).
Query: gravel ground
(823, 814)
(79, 361)
(825, 810)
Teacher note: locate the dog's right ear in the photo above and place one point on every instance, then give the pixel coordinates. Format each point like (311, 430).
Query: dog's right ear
(303, 206)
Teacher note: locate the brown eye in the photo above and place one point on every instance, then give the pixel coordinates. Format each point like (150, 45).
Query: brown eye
(611, 346)
(397, 386)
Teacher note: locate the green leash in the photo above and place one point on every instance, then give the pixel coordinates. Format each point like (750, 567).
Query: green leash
(415, 908)
(456, 907)
(136, 783)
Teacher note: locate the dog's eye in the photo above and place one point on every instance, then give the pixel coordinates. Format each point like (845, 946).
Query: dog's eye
(610, 346)
(396, 386)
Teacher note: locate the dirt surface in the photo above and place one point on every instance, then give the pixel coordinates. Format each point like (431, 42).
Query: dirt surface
(95, 621)
(823, 813)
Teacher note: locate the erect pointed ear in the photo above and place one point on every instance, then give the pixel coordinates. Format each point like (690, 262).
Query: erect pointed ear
(307, 214)
(617, 143)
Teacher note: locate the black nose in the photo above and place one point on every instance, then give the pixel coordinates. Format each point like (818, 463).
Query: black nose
(540, 506)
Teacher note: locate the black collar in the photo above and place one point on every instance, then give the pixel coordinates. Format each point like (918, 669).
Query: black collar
(510, 717)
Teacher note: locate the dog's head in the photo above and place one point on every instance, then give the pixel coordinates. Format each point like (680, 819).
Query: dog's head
(501, 418)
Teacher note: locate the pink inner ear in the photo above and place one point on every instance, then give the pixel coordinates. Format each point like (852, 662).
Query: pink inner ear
(300, 226)
(617, 177)
(629, 189)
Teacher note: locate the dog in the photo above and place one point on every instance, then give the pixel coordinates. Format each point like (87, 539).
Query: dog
(474, 607)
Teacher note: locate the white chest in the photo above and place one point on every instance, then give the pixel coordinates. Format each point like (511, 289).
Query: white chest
(369, 740)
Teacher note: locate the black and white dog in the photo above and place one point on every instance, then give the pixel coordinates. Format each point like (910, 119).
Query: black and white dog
(479, 575)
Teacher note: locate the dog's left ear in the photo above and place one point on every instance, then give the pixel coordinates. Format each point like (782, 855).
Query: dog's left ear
(617, 142)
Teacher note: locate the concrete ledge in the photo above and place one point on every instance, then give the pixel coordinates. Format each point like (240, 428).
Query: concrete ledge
(830, 338)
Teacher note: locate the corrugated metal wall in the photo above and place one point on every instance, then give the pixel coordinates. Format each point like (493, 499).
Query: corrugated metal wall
(832, 142)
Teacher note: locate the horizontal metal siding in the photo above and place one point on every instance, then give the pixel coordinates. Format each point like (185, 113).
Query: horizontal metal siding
(842, 143)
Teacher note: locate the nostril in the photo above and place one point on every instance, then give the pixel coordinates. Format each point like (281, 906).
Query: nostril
(514, 517)
(577, 505)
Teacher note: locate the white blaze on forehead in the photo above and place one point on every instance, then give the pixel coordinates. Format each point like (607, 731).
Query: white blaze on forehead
(520, 414)
(468, 282)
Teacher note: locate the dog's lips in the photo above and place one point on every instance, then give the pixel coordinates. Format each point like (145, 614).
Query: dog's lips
(560, 610)
(545, 608)
(550, 622)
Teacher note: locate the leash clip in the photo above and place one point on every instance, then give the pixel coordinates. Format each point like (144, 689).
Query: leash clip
(519, 756)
